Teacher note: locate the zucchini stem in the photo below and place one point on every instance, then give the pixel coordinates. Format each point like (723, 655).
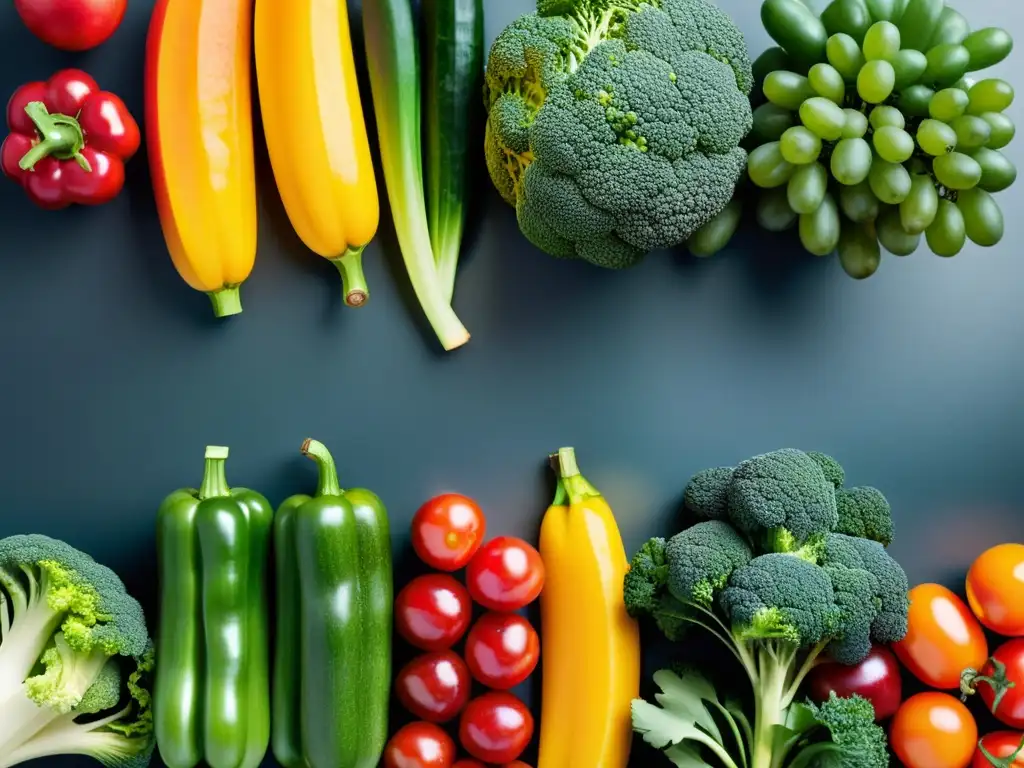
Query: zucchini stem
(353, 281)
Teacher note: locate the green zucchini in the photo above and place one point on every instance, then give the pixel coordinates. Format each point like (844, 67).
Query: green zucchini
(453, 34)
(797, 29)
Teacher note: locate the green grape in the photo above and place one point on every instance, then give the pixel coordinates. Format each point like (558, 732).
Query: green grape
(1003, 129)
(807, 188)
(917, 212)
(893, 237)
(851, 161)
(914, 101)
(772, 59)
(773, 211)
(882, 41)
(983, 218)
(883, 116)
(884, 10)
(957, 171)
(918, 23)
(876, 81)
(889, 181)
(858, 202)
(909, 65)
(997, 172)
(787, 89)
(824, 117)
(849, 16)
(936, 138)
(947, 235)
(859, 254)
(800, 145)
(845, 55)
(947, 63)
(964, 84)
(767, 167)
(992, 95)
(953, 28)
(716, 233)
(971, 132)
(948, 104)
(894, 144)
(770, 122)
(988, 47)
(856, 124)
(826, 81)
(819, 231)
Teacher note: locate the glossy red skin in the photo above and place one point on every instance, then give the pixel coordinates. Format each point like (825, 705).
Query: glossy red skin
(447, 531)
(1000, 744)
(496, 727)
(1011, 707)
(72, 25)
(433, 612)
(502, 650)
(876, 678)
(469, 763)
(420, 745)
(505, 575)
(434, 686)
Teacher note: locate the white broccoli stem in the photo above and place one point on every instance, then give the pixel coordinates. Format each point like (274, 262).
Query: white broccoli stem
(23, 644)
(64, 736)
(768, 697)
(22, 719)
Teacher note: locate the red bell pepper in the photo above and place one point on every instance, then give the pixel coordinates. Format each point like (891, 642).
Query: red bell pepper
(68, 141)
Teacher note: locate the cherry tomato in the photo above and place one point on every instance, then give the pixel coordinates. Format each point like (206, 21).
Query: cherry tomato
(876, 678)
(933, 730)
(447, 531)
(469, 763)
(433, 612)
(1001, 745)
(995, 584)
(71, 25)
(502, 650)
(420, 745)
(943, 637)
(506, 574)
(435, 686)
(496, 727)
(1004, 673)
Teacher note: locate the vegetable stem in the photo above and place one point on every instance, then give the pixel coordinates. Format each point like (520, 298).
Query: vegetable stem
(61, 137)
(328, 483)
(215, 482)
(226, 301)
(577, 488)
(353, 281)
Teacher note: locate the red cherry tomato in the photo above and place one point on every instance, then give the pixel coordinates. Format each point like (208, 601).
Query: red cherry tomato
(433, 612)
(1001, 745)
(995, 584)
(502, 650)
(420, 745)
(1010, 707)
(435, 686)
(943, 637)
(72, 25)
(447, 531)
(496, 727)
(933, 730)
(506, 574)
(468, 763)
(876, 678)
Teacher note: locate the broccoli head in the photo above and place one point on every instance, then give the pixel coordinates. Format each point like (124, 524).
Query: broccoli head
(645, 590)
(707, 494)
(865, 513)
(833, 469)
(614, 125)
(701, 559)
(850, 722)
(855, 590)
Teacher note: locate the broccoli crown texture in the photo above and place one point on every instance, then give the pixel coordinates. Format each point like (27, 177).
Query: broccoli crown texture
(865, 513)
(614, 125)
(833, 469)
(645, 591)
(701, 559)
(890, 622)
(855, 592)
(707, 494)
(851, 724)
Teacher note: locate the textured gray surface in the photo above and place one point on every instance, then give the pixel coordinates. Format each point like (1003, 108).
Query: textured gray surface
(115, 374)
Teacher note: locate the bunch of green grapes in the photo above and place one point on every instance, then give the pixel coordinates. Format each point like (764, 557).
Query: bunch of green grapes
(871, 135)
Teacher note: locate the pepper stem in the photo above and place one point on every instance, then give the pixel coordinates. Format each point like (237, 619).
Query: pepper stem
(226, 301)
(215, 482)
(328, 483)
(353, 281)
(60, 137)
(575, 487)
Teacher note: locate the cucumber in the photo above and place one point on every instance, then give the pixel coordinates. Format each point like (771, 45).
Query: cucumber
(795, 27)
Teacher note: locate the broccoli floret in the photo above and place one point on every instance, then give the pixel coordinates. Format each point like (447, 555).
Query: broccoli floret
(707, 494)
(783, 499)
(890, 599)
(645, 591)
(865, 513)
(833, 469)
(855, 592)
(851, 724)
(64, 621)
(614, 125)
(701, 559)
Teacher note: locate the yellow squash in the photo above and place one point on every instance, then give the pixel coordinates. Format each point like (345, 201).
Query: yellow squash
(590, 646)
(315, 131)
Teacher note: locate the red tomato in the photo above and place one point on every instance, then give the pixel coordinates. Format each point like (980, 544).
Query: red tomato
(447, 531)
(506, 574)
(420, 745)
(72, 25)
(502, 650)
(467, 763)
(435, 686)
(943, 637)
(933, 730)
(876, 678)
(1010, 682)
(995, 584)
(433, 612)
(496, 727)
(1001, 745)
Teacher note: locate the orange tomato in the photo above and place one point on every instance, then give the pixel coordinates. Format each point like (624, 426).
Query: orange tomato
(943, 637)
(995, 589)
(933, 730)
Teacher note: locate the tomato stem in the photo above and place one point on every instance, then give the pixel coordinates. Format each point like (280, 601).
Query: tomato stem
(1001, 762)
(998, 681)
